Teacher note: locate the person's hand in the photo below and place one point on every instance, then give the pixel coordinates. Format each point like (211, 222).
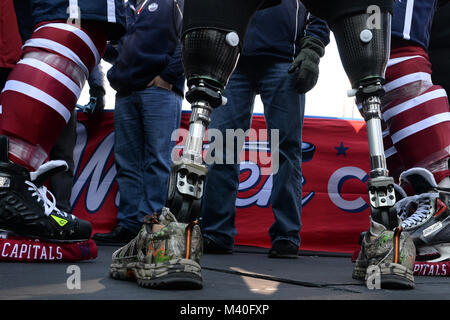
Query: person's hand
(97, 95)
(307, 64)
(160, 83)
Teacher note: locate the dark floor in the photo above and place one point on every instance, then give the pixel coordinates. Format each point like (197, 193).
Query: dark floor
(247, 274)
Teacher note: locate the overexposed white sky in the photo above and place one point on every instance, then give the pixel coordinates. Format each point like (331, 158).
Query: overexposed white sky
(327, 99)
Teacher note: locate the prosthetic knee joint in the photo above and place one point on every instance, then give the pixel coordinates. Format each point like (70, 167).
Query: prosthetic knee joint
(209, 56)
(364, 53)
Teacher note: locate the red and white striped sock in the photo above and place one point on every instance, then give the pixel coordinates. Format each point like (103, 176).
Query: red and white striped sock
(416, 112)
(43, 88)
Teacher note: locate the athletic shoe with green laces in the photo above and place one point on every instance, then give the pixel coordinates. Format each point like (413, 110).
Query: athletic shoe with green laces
(164, 255)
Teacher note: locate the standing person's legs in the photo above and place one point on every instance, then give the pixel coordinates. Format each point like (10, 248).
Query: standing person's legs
(128, 155)
(128, 151)
(161, 115)
(284, 111)
(222, 181)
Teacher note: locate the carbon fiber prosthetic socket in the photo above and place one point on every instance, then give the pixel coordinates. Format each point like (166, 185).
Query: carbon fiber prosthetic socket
(363, 42)
(212, 39)
(210, 55)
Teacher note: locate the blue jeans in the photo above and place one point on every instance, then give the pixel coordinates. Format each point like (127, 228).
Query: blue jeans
(143, 125)
(283, 110)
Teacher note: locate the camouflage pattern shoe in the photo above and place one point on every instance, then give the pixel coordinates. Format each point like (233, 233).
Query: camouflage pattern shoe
(390, 253)
(165, 255)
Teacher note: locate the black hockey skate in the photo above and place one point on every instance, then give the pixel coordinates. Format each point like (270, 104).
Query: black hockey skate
(28, 209)
(426, 216)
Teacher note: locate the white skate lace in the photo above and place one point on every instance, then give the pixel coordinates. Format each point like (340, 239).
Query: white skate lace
(423, 212)
(49, 204)
(403, 205)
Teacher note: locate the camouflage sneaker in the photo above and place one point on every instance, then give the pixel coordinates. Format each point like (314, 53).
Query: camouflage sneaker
(391, 253)
(164, 255)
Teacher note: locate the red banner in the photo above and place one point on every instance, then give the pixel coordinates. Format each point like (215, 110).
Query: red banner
(335, 166)
(33, 250)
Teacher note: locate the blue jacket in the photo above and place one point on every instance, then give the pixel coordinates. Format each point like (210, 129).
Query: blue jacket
(31, 12)
(150, 47)
(277, 31)
(412, 20)
(106, 11)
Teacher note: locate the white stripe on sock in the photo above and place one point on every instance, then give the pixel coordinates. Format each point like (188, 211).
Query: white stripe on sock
(57, 47)
(54, 73)
(79, 33)
(419, 126)
(414, 102)
(418, 76)
(35, 93)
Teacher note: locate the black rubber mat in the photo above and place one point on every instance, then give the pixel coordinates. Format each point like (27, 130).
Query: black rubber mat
(247, 274)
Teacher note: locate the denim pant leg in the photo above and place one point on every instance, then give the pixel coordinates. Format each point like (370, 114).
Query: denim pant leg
(161, 116)
(222, 182)
(144, 122)
(284, 110)
(128, 154)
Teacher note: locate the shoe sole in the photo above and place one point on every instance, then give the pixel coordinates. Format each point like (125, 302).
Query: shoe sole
(359, 273)
(392, 276)
(179, 274)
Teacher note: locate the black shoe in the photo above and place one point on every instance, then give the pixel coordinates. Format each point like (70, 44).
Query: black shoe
(210, 247)
(28, 209)
(118, 236)
(283, 249)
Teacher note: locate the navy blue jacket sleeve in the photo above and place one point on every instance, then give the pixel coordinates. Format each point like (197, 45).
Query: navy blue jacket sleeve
(317, 28)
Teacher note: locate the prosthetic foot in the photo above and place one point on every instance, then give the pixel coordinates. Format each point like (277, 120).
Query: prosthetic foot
(211, 42)
(165, 254)
(364, 54)
(25, 208)
(390, 254)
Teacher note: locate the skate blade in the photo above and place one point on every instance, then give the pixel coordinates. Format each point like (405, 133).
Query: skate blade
(8, 234)
(427, 253)
(444, 251)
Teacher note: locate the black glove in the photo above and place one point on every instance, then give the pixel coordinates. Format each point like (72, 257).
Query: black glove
(97, 100)
(307, 63)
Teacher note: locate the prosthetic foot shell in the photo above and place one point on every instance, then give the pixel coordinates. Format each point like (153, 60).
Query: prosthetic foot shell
(391, 253)
(165, 255)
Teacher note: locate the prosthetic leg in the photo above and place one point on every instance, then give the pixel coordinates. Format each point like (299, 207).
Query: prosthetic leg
(211, 45)
(186, 183)
(171, 239)
(364, 54)
(211, 50)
